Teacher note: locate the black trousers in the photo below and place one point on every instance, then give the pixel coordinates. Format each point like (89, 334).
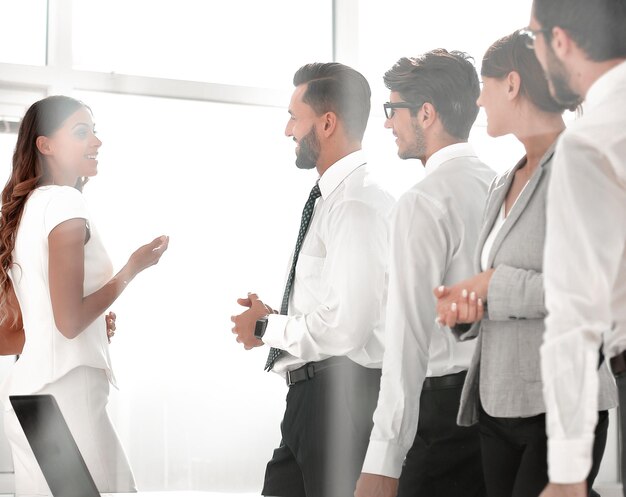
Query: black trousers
(620, 379)
(444, 460)
(515, 454)
(325, 434)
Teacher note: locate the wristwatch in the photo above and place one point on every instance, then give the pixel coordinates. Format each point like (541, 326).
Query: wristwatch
(260, 327)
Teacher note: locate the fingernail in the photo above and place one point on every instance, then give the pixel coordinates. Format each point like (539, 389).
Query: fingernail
(441, 288)
(473, 296)
(480, 301)
(464, 293)
(453, 306)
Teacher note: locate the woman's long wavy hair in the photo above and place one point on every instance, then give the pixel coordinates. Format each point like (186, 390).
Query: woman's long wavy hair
(43, 118)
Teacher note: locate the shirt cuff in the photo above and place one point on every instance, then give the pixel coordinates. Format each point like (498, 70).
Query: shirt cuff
(569, 461)
(384, 458)
(275, 332)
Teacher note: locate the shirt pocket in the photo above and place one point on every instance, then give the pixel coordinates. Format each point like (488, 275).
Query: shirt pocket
(308, 282)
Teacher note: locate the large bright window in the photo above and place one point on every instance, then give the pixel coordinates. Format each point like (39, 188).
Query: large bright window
(23, 31)
(396, 28)
(220, 180)
(242, 42)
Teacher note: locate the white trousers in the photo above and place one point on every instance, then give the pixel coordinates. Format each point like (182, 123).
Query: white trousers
(82, 395)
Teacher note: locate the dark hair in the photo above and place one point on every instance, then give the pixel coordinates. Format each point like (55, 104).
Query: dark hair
(597, 26)
(447, 80)
(334, 87)
(43, 118)
(510, 53)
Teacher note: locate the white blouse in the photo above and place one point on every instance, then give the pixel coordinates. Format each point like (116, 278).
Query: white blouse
(497, 226)
(47, 354)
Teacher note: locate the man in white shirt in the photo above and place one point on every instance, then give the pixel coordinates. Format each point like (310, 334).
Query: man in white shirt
(581, 45)
(434, 231)
(327, 339)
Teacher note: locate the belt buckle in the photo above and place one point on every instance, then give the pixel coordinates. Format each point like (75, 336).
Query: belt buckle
(288, 378)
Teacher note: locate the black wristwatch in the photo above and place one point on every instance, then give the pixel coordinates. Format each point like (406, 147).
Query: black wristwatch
(260, 327)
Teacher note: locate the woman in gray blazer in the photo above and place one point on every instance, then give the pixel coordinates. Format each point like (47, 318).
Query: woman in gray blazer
(503, 305)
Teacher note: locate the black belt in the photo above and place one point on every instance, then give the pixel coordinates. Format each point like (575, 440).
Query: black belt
(309, 370)
(445, 381)
(618, 363)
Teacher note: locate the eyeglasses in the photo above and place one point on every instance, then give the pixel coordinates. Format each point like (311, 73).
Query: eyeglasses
(530, 35)
(390, 107)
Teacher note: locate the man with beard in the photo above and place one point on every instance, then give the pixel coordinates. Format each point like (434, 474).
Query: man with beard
(326, 341)
(581, 45)
(434, 229)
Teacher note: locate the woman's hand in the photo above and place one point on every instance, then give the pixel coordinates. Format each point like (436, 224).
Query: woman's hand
(463, 302)
(148, 255)
(110, 322)
(468, 308)
(74, 312)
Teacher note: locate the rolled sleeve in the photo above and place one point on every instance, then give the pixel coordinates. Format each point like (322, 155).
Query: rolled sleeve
(568, 460)
(384, 458)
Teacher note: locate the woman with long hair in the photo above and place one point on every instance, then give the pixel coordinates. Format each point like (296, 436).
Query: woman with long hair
(503, 305)
(56, 284)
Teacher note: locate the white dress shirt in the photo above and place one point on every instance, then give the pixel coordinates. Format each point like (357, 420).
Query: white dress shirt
(584, 272)
(434, 230)
(336, 305)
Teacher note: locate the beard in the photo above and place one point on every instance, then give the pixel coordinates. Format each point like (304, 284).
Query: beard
(559, 81)
(417, 148)
(309, 152)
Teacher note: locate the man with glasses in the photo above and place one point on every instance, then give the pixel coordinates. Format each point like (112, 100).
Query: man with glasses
(435, 228)
(581, 45)
(531, 35)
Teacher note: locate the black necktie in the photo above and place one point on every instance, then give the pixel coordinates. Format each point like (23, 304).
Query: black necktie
(307, 214)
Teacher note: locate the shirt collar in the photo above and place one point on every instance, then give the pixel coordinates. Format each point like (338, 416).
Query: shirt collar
(450, 152)
(340, 170)
(606, 85)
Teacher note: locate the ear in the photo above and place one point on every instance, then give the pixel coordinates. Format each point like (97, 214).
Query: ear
(328, 124)
(43, 145)
(427, 115)
(561, 42)
(513, 83)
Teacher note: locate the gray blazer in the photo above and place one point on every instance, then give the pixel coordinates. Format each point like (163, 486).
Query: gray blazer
(505, 368)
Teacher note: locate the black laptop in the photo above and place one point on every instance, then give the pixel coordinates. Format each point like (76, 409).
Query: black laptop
(54, 446)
